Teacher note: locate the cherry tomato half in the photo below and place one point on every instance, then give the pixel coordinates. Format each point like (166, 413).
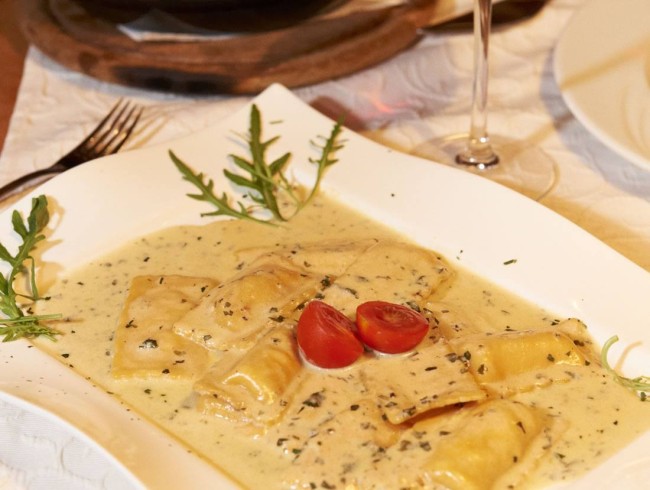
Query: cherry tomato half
(326, 336)
(390, 328)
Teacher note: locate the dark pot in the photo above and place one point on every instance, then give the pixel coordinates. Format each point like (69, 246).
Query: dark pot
(221, 15)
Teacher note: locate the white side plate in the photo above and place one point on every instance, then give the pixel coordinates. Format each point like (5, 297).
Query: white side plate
(602, 66)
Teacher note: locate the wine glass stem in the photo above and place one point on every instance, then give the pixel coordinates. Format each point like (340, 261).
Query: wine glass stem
(479, 152)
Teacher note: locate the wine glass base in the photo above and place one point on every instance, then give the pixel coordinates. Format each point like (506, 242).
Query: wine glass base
(522, 167)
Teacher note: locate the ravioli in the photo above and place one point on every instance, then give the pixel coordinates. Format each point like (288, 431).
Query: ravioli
(234, 314)
(452, 324)
(401, 273)
(256, 387)
(329, 258)
(145, 344)
(483, 444)
(513, 362)
(430, 377)
(353, 437)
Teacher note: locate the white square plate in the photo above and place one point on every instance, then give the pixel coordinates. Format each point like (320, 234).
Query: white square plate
(475, 223)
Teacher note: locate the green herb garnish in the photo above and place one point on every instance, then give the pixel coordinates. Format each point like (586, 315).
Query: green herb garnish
(265, 181)
(16, 323)
(640, 384)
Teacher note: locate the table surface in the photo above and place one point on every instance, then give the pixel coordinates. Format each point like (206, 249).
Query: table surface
(420, 93)
(13, 48)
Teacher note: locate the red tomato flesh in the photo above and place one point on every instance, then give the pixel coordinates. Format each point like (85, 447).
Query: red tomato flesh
(327, 337)
(390, 328)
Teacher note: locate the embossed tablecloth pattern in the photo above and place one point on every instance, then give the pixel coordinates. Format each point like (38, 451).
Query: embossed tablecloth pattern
(421, 93)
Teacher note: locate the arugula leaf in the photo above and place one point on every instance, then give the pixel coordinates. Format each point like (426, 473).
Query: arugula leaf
(265, 181)
(207, 194)
(640, 384)
(326, 160)
(16, 323)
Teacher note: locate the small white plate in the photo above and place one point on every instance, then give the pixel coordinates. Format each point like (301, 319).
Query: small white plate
(474, 222)
(602, 66)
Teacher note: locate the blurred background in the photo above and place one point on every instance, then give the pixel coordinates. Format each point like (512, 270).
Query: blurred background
(13, 47)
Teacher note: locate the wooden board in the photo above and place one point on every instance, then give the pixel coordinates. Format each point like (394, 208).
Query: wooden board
(301, 54)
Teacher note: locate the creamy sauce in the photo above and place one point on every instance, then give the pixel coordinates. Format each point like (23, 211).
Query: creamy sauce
(92, 297)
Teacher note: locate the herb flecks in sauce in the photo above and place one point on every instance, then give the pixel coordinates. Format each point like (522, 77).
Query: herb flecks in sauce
(329, 411)
(265, 181)
(16, 323)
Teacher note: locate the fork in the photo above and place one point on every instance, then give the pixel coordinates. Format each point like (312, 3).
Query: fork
(107, 138)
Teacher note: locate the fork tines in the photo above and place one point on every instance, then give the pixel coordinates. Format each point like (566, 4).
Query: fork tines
(111, 133)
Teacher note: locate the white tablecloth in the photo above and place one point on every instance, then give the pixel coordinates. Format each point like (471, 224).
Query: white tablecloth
(423, 92)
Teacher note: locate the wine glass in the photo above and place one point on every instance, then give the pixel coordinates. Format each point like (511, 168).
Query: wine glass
(515, 164)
